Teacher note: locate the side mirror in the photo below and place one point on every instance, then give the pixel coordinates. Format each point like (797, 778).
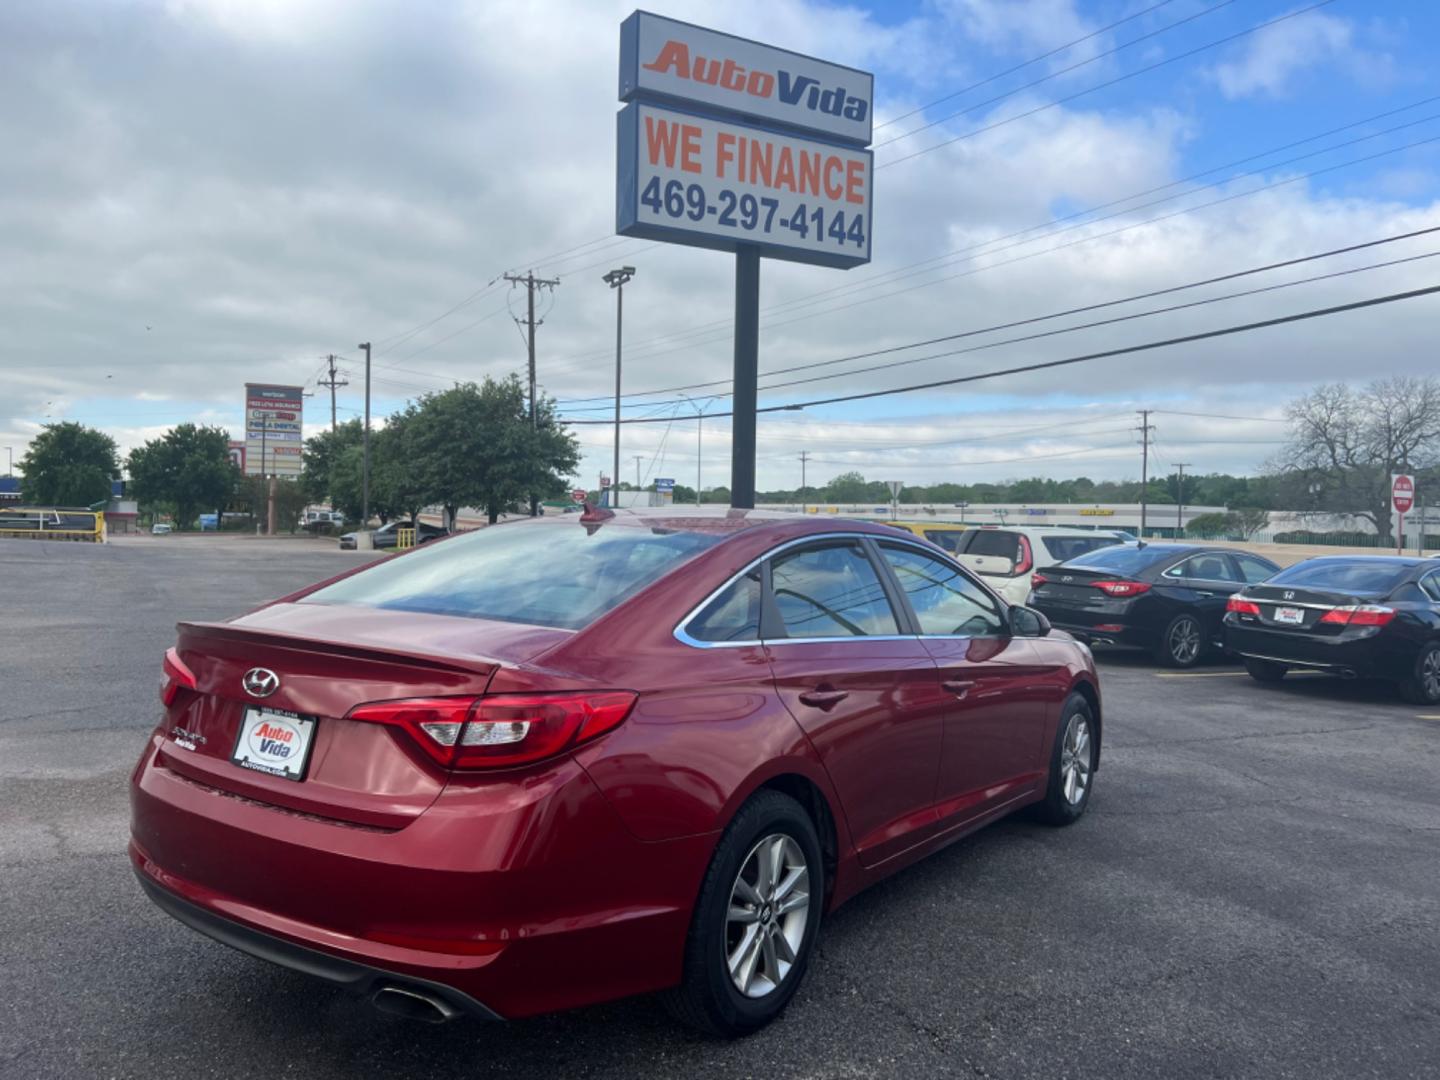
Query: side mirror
(1027, 622)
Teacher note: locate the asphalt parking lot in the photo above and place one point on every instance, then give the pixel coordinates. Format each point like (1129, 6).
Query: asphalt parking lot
(1254, 892)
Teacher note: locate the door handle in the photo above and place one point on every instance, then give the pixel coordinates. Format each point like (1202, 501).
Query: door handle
(1202, 592)
(959, 687)
(822, 698)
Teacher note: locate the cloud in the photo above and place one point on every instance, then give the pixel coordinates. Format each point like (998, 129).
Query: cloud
(263, 185)
(1272, 60)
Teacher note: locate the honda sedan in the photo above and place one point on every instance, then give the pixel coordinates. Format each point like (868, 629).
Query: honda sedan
(1369, 616)
(564, 760)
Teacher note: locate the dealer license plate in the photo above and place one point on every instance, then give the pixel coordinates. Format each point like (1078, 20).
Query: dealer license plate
(274, 741)
(1292, 616)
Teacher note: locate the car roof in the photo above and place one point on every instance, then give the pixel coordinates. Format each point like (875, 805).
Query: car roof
(1396, 560)
(718, 520)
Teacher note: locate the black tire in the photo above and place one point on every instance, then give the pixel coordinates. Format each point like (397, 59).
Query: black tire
(1423, 685)
(1182, 644)
(707, 998)
(1058, 807)
(1266, 671)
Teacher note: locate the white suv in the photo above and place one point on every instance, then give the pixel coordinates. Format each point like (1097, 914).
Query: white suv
(1006, 555)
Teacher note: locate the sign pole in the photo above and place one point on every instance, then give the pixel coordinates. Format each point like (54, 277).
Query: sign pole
(747, 375)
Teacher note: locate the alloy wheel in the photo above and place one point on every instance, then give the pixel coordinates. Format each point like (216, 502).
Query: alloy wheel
(1185, 641)
(1075, 760)
(1430, 674)
(769, 911)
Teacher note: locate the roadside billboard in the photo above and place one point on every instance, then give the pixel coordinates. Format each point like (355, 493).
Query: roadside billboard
(274, 429)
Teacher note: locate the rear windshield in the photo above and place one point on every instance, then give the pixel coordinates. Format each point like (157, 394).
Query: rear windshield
(543, 575)
(1122, 558)
(1344, 575)
(1068, 547)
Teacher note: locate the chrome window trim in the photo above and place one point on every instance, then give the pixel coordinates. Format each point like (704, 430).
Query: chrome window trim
(923, 547)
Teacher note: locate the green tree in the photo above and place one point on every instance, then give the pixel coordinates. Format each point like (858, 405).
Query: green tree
(188, 467)
(321, 453)
(474, 445)
(69, 464)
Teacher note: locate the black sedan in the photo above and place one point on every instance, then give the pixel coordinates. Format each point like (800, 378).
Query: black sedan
(387, 536)
(1365, 616)
(1167, 598)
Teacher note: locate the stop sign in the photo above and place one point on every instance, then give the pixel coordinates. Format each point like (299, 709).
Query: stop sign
(1402, 493)
(578, 495)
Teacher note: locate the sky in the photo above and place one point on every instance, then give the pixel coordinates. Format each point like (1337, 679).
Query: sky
(199, 193)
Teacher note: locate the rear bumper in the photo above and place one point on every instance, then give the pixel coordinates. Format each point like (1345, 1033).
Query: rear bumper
(1114, 633)
(1365, 658)
(352, 976)
(528, 895)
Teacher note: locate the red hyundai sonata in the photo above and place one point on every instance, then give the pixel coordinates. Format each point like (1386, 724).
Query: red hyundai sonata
(565, 760)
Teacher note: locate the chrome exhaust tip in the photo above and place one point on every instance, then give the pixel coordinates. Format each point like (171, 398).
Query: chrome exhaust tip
(413, 1005)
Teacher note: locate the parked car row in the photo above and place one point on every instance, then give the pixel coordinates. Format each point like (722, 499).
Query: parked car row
(1358, 616)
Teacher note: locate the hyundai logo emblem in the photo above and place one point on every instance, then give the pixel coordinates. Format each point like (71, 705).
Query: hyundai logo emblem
(260, 682)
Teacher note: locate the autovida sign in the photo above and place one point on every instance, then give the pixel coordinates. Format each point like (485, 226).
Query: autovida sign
(726, 142)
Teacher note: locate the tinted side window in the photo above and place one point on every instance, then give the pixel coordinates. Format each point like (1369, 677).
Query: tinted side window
(1431, 585)
(1252, 569)
(994, 542)
(1211, 567)
(830, 591)
(734, 615)
(945, 600)
(949, 539)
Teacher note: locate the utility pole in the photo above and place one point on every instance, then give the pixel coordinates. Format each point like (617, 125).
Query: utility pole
(804, 457)
(365, 470)
(616, 279)
(1145, 429)
(332, 384)
(1179, 494)
(699, 434)
(531, 283)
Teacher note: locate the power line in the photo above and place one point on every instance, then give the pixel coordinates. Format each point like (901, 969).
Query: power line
(1093, 324)
(1109, 82)
(1222, 416)
(1028, 63)
(1184, 339)
(1062, 71)
(974, 250)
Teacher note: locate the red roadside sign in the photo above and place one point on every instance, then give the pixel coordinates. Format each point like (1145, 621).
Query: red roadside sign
(578, 495)
(1402, 493)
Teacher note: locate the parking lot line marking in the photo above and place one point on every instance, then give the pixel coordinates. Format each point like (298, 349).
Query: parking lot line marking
(1427, 716)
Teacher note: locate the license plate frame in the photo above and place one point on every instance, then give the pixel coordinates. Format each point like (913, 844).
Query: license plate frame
(1290, 616)
(265, 733)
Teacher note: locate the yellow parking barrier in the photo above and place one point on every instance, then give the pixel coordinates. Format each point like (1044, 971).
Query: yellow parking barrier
(404, 539)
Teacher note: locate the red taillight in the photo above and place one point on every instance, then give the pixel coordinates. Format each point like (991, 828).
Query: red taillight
(1027, 558)
(1359, 615)
(503, 730)
(176, 675)
(1122, 588)
(1242, 607)
(1037, 579)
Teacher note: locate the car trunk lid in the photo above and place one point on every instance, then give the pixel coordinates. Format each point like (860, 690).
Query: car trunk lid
(326, 661)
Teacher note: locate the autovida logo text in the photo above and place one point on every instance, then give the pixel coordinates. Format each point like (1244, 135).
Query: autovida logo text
(273, 740)
(801, 91)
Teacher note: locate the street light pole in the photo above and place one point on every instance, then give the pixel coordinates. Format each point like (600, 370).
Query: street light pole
(616, 279)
